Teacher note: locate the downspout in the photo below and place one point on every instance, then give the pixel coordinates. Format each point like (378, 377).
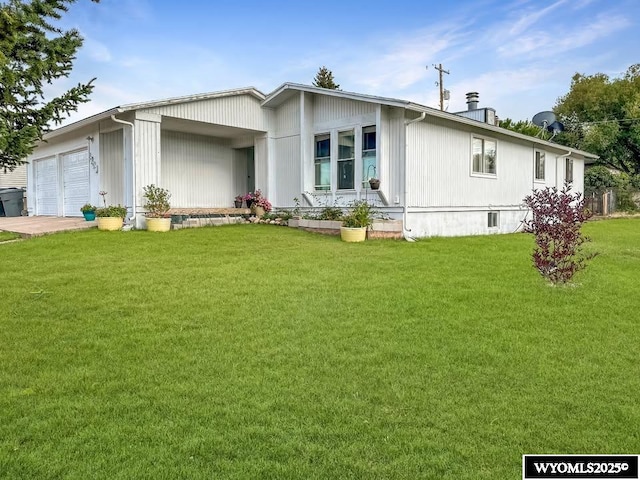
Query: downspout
(133, 166)
(407, 237)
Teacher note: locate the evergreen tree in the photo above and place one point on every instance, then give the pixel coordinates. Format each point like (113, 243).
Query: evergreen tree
(324, 79)
(33, 53)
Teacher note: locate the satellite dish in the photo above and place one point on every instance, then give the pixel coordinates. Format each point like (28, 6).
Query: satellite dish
(543, 120)
(555, 128)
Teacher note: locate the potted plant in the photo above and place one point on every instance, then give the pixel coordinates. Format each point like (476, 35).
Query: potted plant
(260, 204)
(248, 199)
(374, 183)
(89, 212)
(111, 217)
(157, 207)
(237, 202)
(355, 223)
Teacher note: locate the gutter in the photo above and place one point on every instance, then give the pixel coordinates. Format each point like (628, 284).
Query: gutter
(133, 165)
(407, 237)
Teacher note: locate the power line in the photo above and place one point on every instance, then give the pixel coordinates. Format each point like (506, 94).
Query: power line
(610, 121)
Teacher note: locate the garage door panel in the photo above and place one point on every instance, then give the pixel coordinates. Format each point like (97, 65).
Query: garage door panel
(76, 182)
(46, 186)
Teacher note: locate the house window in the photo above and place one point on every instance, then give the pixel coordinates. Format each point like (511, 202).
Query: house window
(568, 170)
(369, 162)
(492, 219)
(484, 156)
(539, 166)
(346, 159)
(323, 162)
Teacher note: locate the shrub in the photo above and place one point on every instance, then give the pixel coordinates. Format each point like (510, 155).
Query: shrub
(361, 215)
(112, 211)
(87, 207)
(157, 201)
(556, 224)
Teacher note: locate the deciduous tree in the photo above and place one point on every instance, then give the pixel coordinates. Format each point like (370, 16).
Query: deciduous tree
(602, 116)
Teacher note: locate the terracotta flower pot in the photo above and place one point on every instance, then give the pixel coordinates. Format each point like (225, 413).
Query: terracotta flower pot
(258, 211)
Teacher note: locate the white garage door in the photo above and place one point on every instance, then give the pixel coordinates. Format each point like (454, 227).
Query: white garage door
(46, 186)
(75, 167)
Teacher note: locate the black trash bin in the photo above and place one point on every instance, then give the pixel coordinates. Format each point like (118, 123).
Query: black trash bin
(11, 202)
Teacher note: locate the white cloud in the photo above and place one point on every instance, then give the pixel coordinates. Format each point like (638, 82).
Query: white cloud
(551, 42)
(532, 17)
(96, 50)
(401, 62)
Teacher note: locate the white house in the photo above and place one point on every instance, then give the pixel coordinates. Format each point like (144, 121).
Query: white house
(441, 173)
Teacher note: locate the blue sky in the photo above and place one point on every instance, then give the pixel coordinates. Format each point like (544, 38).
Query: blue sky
(519, 54)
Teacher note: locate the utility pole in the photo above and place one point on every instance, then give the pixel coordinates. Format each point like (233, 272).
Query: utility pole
(441, 71)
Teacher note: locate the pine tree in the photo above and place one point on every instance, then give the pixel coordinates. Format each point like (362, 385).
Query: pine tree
(33, 53)
(324, 79)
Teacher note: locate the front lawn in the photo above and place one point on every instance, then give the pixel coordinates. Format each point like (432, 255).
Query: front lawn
(255, 351)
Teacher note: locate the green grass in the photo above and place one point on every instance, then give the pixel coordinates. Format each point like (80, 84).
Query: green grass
(266, 352)
(6, 236)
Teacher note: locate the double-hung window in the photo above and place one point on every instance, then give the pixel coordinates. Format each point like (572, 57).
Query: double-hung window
(568, 170)
(323, 162)
(369, 156)
(346, 159)
(484, 156)
(539, 166)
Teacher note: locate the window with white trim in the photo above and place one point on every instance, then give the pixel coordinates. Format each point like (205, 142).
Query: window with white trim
(484, 156)
(539, 166)
(346, 159)
(568, 170)
(492, 219)
(369, 155)
(322, 162)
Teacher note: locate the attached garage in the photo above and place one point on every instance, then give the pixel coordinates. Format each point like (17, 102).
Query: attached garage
(67, 173)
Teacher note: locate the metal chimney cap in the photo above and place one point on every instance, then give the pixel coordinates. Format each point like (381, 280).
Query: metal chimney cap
(472, 100)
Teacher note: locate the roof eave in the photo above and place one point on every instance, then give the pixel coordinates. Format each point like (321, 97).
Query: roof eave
(475, 123)
(82, 123)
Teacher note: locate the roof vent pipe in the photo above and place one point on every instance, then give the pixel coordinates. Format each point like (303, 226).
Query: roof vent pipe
(472, 100)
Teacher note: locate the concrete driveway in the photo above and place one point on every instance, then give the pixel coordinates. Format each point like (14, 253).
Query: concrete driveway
(33, 226)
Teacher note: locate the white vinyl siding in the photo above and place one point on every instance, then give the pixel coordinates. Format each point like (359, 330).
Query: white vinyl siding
(112, 178)
(197, 170)
(16, 178)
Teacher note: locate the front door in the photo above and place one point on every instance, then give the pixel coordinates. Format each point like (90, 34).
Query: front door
(251, 169)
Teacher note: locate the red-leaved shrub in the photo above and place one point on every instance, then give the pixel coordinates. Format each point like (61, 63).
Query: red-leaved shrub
(556, 224)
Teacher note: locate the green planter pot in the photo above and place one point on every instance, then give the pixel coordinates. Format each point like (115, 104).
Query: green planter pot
(89, 216)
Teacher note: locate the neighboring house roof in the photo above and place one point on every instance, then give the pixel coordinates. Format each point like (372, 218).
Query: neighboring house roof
(287, 90)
